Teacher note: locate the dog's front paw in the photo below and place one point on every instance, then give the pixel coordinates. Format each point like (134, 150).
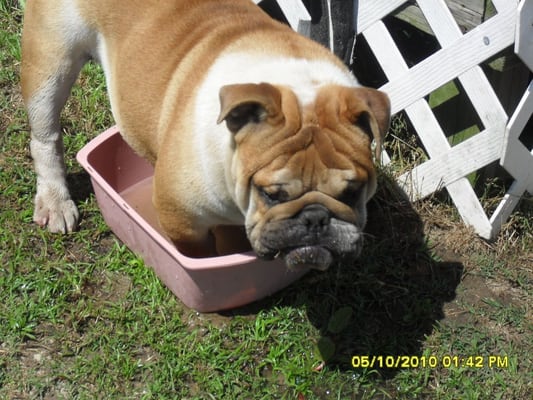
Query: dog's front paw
(60, 215)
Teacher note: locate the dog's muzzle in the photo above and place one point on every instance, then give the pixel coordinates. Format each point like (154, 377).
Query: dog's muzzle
(312, 238)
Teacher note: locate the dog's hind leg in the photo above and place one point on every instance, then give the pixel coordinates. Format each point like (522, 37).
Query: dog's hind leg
(55, 46)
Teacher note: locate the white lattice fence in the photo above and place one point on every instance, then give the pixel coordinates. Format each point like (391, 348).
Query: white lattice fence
(459, 58)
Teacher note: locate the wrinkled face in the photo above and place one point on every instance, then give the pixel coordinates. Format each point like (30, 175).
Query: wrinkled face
(304, 173)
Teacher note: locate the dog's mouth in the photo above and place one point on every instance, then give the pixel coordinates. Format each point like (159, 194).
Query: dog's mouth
(313, 238)
(316, 257)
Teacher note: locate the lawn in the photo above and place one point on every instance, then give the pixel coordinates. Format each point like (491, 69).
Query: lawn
(430, 311)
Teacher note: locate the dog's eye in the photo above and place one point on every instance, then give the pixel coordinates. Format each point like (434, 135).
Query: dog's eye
(363, 122)
(351, 193)
(273, 196)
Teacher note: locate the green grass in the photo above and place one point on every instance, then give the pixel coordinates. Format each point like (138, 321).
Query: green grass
(81, 317)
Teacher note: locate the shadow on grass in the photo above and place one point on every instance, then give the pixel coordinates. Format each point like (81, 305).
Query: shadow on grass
(80, 186)
(388, 301)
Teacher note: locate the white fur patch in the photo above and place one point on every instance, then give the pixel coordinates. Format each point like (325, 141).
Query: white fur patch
(75, 30)
(304, 77)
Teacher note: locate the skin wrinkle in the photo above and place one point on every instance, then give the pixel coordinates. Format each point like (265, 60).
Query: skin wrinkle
(314, 161)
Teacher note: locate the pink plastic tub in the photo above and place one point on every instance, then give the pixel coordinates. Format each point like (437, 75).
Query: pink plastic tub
(122, 185)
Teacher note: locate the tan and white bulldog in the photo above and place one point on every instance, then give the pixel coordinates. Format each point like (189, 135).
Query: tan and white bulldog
(247, 122)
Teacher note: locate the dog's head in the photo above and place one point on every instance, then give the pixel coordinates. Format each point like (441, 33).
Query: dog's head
(304, 172)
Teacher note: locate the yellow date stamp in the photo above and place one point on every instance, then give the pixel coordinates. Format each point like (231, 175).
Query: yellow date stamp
(430, 361)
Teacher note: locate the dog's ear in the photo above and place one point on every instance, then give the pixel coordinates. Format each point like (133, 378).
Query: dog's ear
(369, 109)
(241, 104)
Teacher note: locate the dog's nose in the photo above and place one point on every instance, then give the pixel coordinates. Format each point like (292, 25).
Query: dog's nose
(315, 218)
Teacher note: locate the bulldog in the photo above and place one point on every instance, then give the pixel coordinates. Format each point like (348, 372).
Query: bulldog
(246, 122)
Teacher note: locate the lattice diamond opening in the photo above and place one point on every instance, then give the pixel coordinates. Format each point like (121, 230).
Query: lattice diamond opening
(400, 24)
(455, 112)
